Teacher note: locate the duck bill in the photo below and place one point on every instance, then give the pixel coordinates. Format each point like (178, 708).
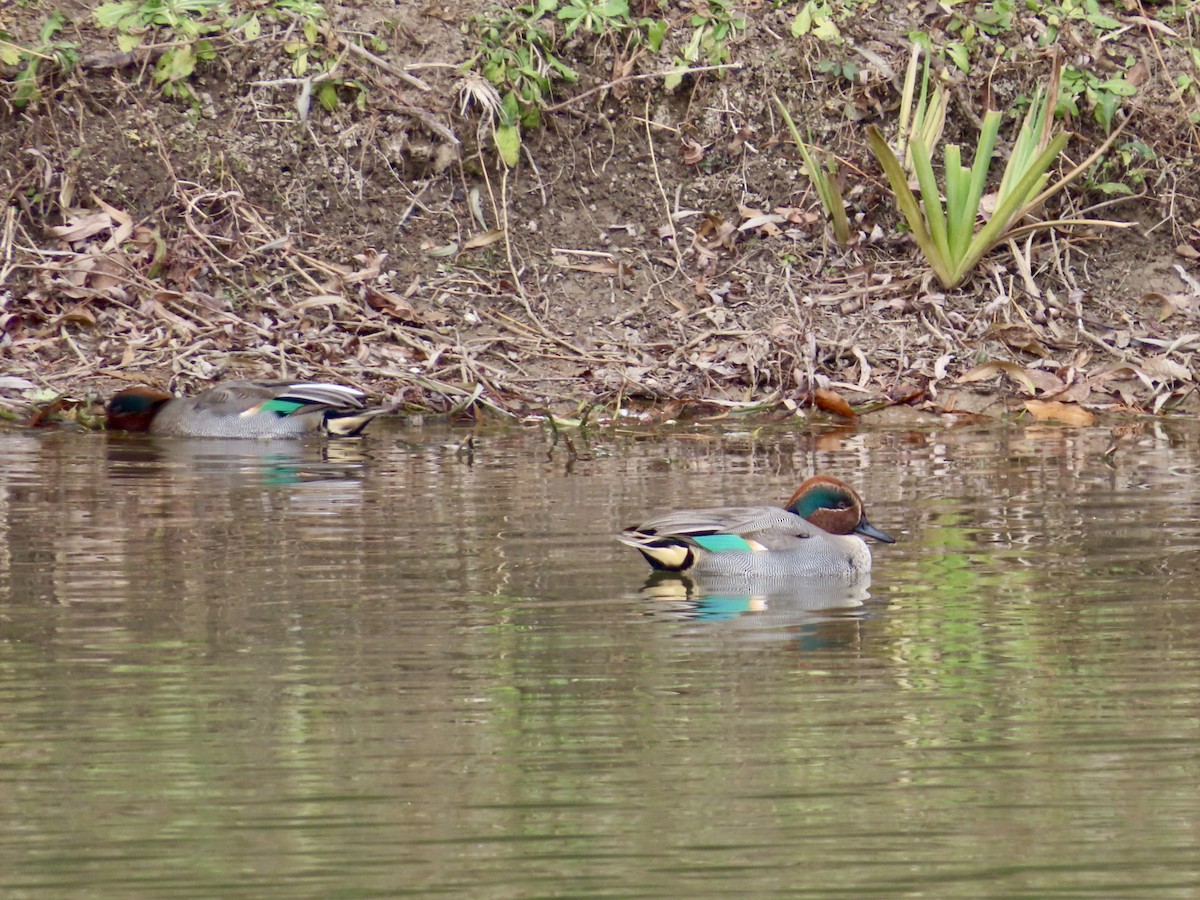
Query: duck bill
(866, 529)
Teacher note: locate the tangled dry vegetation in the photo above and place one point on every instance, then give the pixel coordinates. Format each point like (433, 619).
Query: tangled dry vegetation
(654, 253)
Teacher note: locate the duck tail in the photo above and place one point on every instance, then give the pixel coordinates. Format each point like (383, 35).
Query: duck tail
(349, 423)
(663, 554)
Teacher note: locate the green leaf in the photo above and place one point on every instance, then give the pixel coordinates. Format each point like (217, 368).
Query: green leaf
(253, 28)
(508, 144)
(674, 78)
(931, 200)
(655, 32)
(828, 32)
(1118, 86)
(327, 96)
(26, 85)
(960, 56)
(52, 26)
(510, 109)
(127, 42)
(183, 63)
(802, 24)
(908, 203)
(109, 15)
(1106, 108)
(565, 72)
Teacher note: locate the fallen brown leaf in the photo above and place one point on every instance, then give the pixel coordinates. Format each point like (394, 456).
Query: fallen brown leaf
(1019, 337)
(1054, 411)
(485, 239)
(80, 227)
(1166, 369)
(392, 304)
(1014, 371)
(832, 402)
(691, 153)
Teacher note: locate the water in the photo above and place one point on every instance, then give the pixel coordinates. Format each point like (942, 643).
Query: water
(397, 668)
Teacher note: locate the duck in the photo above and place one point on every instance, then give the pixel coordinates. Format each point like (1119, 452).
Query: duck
(817, 534)
(243, 409)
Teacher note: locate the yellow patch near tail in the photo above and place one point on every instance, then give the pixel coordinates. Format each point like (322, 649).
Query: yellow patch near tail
(673, 557)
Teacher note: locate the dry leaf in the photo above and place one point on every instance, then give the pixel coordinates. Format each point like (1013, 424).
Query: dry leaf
(1053, 411)
(765, 221)
(832, 402)
(1046, 382)
(392, 304)
(123, 221)
(691, 153)
(77, 315)
(1166, 369)
(80, 228)
(1076, 393)
(1017, 373)
(1187, 251)
(1018, 337)
(485, 239)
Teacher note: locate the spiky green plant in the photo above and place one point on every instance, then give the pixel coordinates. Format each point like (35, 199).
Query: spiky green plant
(929, 118)
(947, 236)
(824, 180)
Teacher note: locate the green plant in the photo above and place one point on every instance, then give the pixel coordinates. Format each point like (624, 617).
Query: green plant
(1103, 97)
(996, 17)
(816, 18)
(517, 57)
(189, 29)
(1125, 167)
(824, 178)
(63, 54)
(929, 117)
(597, 16)
(948, 238)
(713, 26)
(1056, 14)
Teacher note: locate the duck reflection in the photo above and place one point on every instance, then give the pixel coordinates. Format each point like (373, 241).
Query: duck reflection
(271, 462)
(818, 612)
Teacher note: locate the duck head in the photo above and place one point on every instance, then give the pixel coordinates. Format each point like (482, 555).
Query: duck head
(835, 507)
(133, 409)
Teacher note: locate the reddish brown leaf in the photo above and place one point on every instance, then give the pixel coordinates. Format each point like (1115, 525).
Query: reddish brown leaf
(1053, 411)
(832, 402)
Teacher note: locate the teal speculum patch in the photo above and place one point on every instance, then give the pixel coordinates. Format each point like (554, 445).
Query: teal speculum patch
(723, 543)
(282, 406)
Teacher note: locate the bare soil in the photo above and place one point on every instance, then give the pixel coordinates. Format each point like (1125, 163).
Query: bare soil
(656, 252)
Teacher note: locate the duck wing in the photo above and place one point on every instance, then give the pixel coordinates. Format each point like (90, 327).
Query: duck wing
(758, 522)
(282, 398)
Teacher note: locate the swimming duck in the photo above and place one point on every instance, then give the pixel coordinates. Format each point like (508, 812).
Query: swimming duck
(243, 409)
(815, 535)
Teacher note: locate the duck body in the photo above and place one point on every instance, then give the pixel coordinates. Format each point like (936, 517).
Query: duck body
(243, 409)
(818, 534)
